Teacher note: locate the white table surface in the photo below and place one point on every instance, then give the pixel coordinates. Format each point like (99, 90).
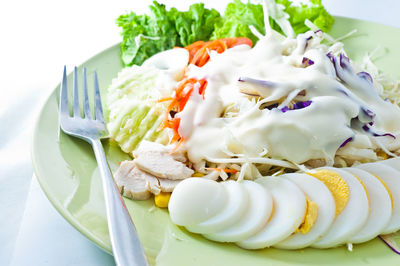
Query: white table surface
(37, 39)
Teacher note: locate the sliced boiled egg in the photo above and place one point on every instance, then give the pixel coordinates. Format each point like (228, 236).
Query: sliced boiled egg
(393, 162)
(288, 213)
(352, 202)
(195, 200)
(259, 210)
(316, 192)
(380, 206)
(238, 200)
(391, 178)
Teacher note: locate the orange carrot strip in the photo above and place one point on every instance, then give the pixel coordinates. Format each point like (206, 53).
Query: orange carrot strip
(180, 142)
(231, 171)
(199, 51)
(203, 85)
(231, 42)
(178, 100)
(165, 99)
(202, 55)
(193, 48)
(184, 99)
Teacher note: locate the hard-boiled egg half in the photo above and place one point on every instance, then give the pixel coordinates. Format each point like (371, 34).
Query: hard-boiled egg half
(322, 208)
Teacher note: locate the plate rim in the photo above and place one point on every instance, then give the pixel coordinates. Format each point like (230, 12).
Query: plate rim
(37, 169)
(37, 172)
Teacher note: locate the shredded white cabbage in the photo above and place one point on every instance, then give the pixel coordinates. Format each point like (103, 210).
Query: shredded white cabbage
(232, 152)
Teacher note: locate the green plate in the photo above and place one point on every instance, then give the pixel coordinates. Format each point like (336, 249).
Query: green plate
(68, 174)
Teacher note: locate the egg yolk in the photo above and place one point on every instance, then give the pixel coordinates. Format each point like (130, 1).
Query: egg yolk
(309, 218)
(382, 154)
(387, 189)
(198, 174)
(337, 186)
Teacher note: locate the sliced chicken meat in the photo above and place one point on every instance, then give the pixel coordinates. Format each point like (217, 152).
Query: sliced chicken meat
(134, 183)
(167, 185)
(137, 184)
(146, 146)
(155, 159)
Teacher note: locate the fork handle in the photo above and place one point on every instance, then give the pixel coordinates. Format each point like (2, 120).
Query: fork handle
(125, 242)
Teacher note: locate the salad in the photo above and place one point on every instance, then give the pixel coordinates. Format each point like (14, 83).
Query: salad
(256, 129)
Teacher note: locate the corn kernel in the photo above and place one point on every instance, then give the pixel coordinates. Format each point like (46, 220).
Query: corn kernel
(161, 200)
(382, 154)
(198, 174)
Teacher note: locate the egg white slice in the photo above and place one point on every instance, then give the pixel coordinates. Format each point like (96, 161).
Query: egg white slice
(380, 207)
(259, 210)
(391, 178)
(238, 199)
(352, 218)
(393, 162)
(316, 191)
(288, 213)
(195, 200)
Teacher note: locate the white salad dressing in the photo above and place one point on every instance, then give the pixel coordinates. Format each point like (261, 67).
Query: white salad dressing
(249, 104)
(313, 132)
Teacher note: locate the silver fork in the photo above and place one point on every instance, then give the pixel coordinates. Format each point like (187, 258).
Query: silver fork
(125, 243)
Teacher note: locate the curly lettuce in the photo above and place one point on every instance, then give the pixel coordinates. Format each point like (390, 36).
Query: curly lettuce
(284, 17)
(237, 18)
(162, 29)
(146, 35)
(196, 24)
(314, 11)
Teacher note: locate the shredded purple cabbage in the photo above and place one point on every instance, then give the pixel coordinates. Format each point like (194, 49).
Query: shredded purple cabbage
(368, 112)
(307, 62)
(331, 57)
(296, 106)
(344, 61)
(345, 66)
(346, 141)
(270, 107)
(365, 115)
(358, 125)
(381, 134)
(389, 241)
(366, 76)
(307, 40)
(333, 60)
(343, 91)
(259, 82)
(285, 109)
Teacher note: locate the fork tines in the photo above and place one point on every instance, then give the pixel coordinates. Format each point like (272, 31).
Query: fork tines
(76, 110)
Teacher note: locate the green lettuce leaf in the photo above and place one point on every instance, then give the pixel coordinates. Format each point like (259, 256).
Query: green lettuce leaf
(237, 18)
(277, 13)
(196, 24)
(315, 12)
(146, 35)
(284, 18)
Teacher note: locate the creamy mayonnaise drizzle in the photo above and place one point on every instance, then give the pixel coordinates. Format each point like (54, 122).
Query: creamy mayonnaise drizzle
(314, 132)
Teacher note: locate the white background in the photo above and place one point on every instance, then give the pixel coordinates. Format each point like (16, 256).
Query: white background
(37, 38)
